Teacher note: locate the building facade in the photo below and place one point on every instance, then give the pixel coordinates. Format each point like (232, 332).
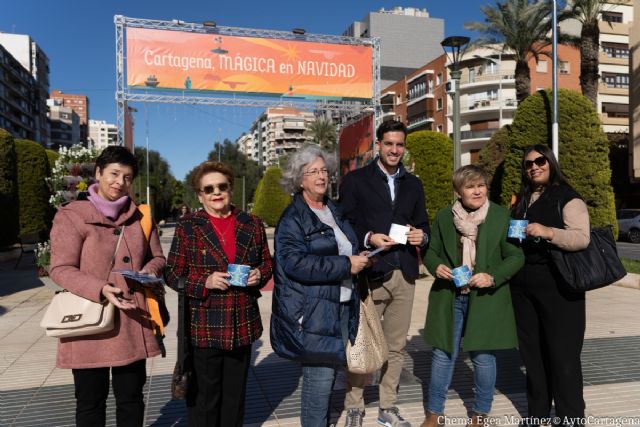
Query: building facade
(80, 105)
(277, 132)
(102, 134)
(64, 125)
(634, 98)
(409, 38)
(33, 59)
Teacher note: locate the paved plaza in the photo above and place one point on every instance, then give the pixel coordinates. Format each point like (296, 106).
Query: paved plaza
(34, 393)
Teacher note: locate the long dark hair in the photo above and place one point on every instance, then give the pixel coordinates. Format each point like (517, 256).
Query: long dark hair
(556, 177)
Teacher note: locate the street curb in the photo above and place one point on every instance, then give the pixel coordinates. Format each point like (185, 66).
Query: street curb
(631, 280)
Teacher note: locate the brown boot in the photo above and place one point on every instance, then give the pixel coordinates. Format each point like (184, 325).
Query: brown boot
(477, 420)
(433, 420)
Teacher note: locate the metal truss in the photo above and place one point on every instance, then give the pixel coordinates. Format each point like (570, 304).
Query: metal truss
(125, 95)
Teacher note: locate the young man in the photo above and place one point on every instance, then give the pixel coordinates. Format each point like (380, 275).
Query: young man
(373, 198)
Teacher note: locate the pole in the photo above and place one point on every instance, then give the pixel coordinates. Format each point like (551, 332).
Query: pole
(146, 137)
(457, 161)
(554, 125)
(500, 90)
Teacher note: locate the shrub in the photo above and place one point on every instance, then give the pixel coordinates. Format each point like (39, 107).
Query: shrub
(9, 212)
(270, 200)
(432, 153)
(491, 158)
(583, 150)
(33, 193)
(52, 156)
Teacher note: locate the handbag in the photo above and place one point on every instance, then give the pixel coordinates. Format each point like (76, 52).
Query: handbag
(369, 351)
(182, 370)
(69, 315)
(594, 267)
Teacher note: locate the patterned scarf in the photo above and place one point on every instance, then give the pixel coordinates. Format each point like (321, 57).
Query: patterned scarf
(467, 225)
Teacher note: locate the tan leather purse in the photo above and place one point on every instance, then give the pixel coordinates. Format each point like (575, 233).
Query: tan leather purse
(369, 351)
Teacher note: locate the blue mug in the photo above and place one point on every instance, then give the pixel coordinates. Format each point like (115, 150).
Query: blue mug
(517, 229)
(461, 276)
(239, 274)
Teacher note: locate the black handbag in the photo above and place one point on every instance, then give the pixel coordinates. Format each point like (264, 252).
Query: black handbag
(594, 267)
(182, 370)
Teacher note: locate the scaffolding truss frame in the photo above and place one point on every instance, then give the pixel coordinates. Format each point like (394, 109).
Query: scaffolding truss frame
(124, 94)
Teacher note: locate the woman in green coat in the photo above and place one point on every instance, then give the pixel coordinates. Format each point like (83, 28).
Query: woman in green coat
(473, 233)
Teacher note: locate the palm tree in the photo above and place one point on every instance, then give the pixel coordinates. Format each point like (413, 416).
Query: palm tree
(522, 27)
(587, 12)
(324, 133)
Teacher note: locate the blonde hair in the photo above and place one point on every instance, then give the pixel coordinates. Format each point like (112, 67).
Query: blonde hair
(469, 173)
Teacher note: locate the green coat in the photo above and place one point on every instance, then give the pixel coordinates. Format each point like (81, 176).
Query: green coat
(490, 321)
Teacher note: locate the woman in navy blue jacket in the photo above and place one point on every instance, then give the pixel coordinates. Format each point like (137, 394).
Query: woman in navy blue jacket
(315, 301)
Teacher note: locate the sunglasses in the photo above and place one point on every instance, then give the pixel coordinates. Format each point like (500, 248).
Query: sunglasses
(539, 161)
(223, 187)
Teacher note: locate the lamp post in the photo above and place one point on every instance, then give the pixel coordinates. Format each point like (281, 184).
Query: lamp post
(554, 124)
(454, 47)
(499, 64)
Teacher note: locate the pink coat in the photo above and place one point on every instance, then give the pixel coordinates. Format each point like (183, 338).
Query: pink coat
(82, 246)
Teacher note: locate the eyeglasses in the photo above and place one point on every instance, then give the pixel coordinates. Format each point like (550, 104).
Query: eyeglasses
(312, 172)
(223, 187)
(539, 161)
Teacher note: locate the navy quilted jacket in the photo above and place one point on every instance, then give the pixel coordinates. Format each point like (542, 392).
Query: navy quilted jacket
(308, 274)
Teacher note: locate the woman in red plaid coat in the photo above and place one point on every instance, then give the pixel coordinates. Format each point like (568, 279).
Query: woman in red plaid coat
(225, 319)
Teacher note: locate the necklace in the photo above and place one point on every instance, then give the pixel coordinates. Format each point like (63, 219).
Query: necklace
(221, 233)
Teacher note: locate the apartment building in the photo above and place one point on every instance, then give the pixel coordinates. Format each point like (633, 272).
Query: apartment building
(64, 125)
(102, 134)
(409, 38)
(32, 59)
(80, 105)
(634, 98)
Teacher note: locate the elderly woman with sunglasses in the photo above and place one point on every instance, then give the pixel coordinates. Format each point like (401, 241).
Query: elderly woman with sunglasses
(225, 318)
(315, 303)
(549, 318)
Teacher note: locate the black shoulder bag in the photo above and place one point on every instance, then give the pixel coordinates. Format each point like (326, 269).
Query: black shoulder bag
(594, 267)
(182, 370)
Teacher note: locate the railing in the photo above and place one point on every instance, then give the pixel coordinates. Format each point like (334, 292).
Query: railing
(489, 104)
(487, 77)
(477, 134)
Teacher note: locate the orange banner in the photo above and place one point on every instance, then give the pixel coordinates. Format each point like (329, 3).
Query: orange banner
(356, 144)
(162, 59)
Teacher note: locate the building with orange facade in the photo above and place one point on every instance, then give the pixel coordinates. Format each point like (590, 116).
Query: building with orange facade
(79, 104)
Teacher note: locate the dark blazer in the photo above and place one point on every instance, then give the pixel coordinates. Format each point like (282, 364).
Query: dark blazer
(219, 319)
(308, 275)
(366, 201)
(490, 323)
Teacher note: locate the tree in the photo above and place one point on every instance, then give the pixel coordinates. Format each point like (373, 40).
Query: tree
(323, 132)
(33, 192)
(588, 13)
(583, 146)
(432, 154)
(160, 182)
(522, 26)
(9, 213)
(492, 160)
(270, 199)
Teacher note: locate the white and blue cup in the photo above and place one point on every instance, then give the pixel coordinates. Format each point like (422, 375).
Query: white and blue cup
(461, 276)
(517, 229)
(239, 274)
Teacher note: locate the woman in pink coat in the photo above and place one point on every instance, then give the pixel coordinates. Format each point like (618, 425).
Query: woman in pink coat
(83, 242)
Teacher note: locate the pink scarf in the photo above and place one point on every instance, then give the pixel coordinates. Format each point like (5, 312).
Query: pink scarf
(467, 224)
(106, 207)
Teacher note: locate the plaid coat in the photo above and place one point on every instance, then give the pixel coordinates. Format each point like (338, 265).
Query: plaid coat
(219, 319)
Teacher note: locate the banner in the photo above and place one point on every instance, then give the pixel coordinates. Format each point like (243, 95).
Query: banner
(163, 59)
(356, 144)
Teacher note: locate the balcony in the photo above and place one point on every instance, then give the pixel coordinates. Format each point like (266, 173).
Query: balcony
(417, 123)
(419, 98)
(604, 89)
(619, 28)
(613, 121)
(508, 77)
(603, 59)
(293, 125)
(488, 105)
(476, 134)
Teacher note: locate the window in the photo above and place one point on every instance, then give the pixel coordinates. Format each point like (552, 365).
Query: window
(617, 81)
(541, 66)
(615, 50)
(440, 128)
(612, 17)
(564, 67)
(615, 110)
(439, 79)
(439, 104)
(472, 74)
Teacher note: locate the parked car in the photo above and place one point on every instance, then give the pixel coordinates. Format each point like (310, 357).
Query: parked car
(629, 224)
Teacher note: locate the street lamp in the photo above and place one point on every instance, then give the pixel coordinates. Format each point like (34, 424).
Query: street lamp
(454, 47)
(499, 64)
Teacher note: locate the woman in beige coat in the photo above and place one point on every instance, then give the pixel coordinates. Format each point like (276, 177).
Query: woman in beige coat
(83, 243)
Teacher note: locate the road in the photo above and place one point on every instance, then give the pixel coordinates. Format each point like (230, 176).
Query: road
(629, 250)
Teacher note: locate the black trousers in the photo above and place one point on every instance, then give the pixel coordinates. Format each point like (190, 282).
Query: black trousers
(551, 323)
(92, 389)
(217, 389)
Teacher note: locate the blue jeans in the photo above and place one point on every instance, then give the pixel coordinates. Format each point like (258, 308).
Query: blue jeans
(442, 364)
(317, 383)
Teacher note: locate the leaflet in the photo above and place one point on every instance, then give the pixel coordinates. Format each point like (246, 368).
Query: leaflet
(139, 277)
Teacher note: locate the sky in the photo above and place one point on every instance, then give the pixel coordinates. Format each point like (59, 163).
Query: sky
(78, 36)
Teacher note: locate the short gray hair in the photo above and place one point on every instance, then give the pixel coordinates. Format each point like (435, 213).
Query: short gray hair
(293, 172)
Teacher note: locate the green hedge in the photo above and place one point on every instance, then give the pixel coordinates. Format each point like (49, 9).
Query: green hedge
(9, 212)
(269, 199)
(583, 150)
(33, 193)
(432, 153)
(52, 156)
(491, 158)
